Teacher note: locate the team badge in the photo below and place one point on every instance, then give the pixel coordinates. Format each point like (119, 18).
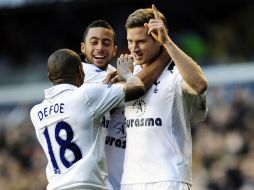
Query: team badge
(140, 107)
(156, 83)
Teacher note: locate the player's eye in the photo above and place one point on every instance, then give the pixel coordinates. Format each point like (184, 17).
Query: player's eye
(107, 43)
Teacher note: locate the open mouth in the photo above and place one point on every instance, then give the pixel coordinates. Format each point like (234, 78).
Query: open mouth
(137, 57)
(99, 56)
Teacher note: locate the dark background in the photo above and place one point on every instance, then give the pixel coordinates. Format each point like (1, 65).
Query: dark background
(212, 32)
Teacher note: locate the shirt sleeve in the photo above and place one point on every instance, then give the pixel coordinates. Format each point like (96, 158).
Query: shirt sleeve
(102, 98)
(199, 109)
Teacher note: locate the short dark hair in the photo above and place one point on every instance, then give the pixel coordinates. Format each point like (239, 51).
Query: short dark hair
(63, 64)
(141, 16)
(102, 24)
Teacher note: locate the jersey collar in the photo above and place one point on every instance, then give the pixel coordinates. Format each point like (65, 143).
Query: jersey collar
(57, 89)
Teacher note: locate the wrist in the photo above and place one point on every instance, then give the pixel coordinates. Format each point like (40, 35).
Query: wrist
(128, 76)
(168, 43)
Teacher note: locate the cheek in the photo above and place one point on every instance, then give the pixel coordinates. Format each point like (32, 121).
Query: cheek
(112, 51)
(88, 51)
(151, 52)
(130, 47)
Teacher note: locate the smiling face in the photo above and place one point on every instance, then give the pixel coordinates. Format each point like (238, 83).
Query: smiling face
(142, 46)
(99, 47)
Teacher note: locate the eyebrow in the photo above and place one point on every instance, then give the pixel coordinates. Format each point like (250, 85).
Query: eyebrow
(104, 39)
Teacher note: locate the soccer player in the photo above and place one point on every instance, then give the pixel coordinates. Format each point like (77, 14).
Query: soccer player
(158, 152)
(67, 122)
(98, 50)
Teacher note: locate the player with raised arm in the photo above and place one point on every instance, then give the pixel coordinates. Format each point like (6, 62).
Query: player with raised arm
(159, 147)
(67, 122)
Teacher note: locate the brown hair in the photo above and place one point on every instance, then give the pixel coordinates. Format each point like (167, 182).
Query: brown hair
(141, 16)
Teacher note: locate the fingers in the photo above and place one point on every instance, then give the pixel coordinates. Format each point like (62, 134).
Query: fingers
(155, 12)
(125, 60)
(115, 79)
(154, 25)
(121, 61)
(109, 77)
(124, 63)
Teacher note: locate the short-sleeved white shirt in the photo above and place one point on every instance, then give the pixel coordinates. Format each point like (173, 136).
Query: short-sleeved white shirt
(114, 123)
(67, 125)
(159, 145)
(94, 74)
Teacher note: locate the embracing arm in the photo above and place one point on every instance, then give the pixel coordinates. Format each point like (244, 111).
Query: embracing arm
(150, 74)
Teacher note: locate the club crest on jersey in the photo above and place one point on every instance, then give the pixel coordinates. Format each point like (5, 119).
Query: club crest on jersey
(119, 129)
(156, 83)
(140, 107)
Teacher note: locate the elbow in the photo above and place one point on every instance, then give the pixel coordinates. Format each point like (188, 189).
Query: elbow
(140, 91)
(134, 93)
(202, 86)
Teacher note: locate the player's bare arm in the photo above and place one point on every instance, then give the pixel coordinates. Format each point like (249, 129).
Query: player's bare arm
(151, 72)
(194, 79)
(134, 87)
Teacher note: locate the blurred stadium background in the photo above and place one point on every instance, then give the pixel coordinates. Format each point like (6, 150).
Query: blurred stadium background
(219, 35)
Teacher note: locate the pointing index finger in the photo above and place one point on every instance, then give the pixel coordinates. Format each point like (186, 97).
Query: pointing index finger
(155, 12)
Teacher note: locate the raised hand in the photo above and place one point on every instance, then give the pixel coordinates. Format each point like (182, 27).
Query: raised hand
(156, 27)
(124, 66)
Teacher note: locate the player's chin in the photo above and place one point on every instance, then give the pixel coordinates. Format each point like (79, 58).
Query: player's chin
(101, 65)
(138, 62)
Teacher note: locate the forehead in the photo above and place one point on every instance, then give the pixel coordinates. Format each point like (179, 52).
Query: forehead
(100, 33)
(137, 33)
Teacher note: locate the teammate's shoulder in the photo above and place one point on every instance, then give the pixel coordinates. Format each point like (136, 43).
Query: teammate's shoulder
(95, 88)
(35, 108)
(87, 65)
(87, 85)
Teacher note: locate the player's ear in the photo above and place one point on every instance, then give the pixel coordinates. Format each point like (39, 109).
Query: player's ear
(49, 77)
(82, 47)
(115, 50)
(81, 73)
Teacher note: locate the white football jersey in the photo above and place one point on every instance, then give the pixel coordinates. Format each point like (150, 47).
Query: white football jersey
(67, 125)
(94, 74)
(159, 144)
(115, 146)
(114, 122)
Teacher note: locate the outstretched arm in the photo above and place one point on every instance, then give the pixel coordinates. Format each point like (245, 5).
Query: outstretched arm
(194, 79)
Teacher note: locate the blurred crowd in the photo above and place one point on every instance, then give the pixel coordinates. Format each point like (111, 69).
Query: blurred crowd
(223, 145)
(22, 161)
